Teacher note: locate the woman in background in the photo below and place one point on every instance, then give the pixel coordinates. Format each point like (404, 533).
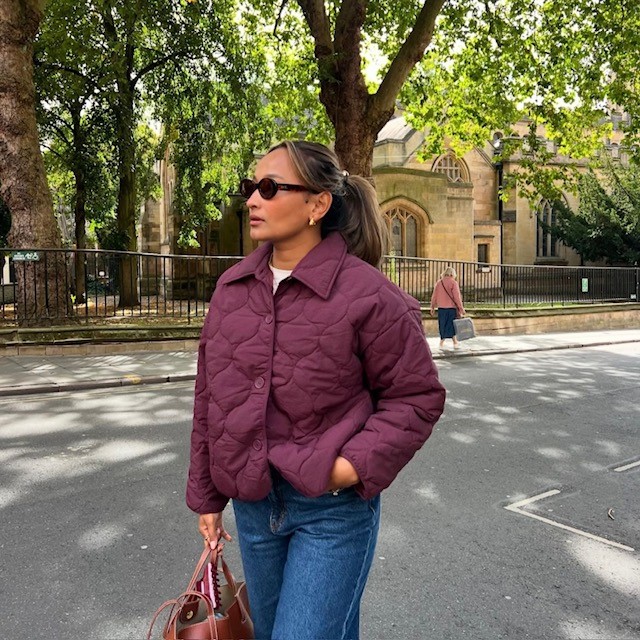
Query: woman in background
(447, 299)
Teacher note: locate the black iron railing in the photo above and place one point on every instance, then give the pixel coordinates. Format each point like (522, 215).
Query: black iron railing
(93, 284)
(517, 285)
(106, 284)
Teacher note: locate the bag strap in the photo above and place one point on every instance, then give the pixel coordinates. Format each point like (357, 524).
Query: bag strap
(228, 576)
(207, 555)
(175, 604)
(231, 581)
(213, 625)
(218, 561)
(450, 296)
(163, 606)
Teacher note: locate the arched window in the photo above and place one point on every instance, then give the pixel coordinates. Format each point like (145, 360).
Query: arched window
(403, 228)
(452, 167)
(547, 244)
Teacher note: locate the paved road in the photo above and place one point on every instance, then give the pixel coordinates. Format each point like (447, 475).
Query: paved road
(95, 533)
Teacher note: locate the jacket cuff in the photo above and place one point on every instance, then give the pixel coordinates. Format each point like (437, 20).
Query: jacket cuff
(364, 490)
(216, 505)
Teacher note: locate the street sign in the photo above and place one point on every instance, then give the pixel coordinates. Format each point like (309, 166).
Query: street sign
(25, 256)
(585, 285)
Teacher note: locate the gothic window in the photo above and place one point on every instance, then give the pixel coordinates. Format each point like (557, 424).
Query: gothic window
(403, 227)
(396, 237)
(452, 167)
(547, 244)
(411, 236)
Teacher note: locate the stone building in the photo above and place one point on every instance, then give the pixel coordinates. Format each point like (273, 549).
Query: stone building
(446, 207)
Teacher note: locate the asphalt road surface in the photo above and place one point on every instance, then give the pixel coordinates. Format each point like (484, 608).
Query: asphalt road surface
(520, 518)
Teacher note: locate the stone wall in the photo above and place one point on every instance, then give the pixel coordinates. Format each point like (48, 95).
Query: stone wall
(445, 209)
(523, 322)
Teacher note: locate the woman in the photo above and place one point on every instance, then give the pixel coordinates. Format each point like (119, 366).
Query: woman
(315, 386)
(447, 298)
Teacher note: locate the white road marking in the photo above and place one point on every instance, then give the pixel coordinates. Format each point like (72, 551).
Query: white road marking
(516, 508)
(626, 467)
(523, 503)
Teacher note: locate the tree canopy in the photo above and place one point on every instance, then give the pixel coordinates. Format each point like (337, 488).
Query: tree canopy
(225, 79)
(607, 222)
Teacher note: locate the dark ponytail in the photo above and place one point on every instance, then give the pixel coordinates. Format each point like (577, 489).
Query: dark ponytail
(354, 210)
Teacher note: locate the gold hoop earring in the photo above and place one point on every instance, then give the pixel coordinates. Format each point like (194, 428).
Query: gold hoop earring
(312, 222)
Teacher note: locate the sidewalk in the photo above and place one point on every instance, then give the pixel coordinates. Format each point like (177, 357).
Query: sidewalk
(22, 374)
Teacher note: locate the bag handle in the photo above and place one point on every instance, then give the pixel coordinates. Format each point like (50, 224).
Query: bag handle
(208, 555)
(175, 604)
(213, 556)
(213, 626)
(231, 581)
(163, 606)
(217, 560)
(204, 558)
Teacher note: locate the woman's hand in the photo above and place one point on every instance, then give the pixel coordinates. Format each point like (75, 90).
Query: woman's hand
(432, 312)
(343, 474)
(212, 530)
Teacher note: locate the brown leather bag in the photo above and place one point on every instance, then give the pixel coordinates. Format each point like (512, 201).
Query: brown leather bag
(192, 615)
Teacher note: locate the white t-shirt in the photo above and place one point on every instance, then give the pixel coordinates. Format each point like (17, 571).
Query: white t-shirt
(278, 276)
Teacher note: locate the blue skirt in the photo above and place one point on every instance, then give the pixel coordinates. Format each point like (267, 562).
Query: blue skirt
(445, 322)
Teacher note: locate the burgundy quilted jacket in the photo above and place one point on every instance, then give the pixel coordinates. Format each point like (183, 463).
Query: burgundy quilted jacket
(335, 363)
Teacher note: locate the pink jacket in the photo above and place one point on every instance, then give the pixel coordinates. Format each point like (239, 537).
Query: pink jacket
(446, 295)
(335, 363)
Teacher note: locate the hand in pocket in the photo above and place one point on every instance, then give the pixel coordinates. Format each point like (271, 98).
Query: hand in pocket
(343, 474)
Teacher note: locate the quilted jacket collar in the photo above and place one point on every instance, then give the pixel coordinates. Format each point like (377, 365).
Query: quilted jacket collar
(318, 270)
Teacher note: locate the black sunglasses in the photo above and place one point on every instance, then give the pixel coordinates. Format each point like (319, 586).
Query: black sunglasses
(267, 188)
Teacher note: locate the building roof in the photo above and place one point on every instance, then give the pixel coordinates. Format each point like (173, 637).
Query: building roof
(395, 130)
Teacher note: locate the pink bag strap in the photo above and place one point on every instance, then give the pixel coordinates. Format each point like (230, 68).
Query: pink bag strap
(216, 559)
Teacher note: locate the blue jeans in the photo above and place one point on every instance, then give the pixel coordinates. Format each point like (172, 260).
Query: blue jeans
(306, 561)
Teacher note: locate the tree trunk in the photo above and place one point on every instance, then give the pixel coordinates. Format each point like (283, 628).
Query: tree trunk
(80, 213)
(354, 146)
(80, 218)
(348, 107)
(356, 115)
(127, 214)
(23, 184)
(122, 104)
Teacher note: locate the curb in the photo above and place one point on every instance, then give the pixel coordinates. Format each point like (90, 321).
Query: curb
(494, 352)
(130, 381)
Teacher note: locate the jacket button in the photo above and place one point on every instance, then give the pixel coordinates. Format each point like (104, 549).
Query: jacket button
(259, 382)
(257, 445)
(268, 319)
